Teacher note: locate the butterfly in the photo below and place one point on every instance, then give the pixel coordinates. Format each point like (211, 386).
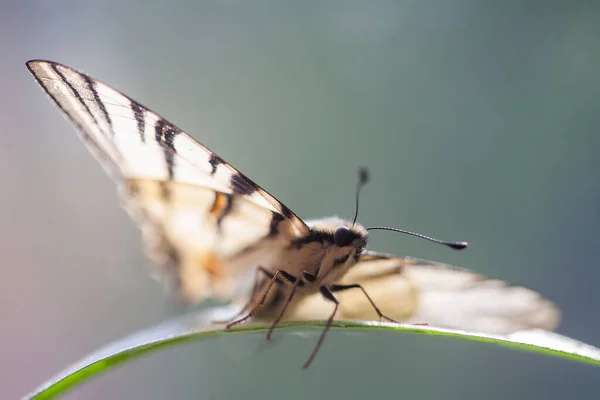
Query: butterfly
(214, 231)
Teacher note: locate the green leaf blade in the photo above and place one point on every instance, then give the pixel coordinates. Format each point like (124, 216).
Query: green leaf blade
(198, 326)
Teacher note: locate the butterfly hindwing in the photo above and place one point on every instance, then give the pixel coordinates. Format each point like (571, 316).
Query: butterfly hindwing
(202, 219)
(418, 291)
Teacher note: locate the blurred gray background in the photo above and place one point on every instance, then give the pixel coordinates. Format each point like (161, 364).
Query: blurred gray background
(478, 119)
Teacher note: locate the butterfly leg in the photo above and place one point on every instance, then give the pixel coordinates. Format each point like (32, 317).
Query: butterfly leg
(330, 297)
(274, 279)
(255, 287)
(253, 293)
(297, 282)
(339, 288)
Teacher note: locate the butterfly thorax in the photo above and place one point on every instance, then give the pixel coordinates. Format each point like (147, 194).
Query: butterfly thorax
(327, 251)
(330, 248)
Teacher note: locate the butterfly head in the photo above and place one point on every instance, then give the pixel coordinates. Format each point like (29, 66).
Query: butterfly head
(352, 236)
(335, 245)
(334, 231)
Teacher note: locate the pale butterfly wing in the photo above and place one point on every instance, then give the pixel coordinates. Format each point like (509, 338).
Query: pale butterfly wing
(417, 291)
(201, 218)
(209, 224)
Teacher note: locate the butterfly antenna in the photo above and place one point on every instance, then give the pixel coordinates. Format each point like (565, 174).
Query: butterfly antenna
(452, 245)
(363, 179)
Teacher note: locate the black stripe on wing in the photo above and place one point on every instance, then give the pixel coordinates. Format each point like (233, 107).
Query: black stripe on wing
(105, 159)
(100, 110)
(138, 114)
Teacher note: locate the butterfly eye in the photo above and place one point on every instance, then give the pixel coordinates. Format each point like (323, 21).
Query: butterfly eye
(343, 236)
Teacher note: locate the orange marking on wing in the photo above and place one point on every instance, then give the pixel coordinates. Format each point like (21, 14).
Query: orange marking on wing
(212, 264)
(219, 204)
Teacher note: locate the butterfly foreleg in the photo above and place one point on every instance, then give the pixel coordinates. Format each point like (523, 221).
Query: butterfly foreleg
(255, 286)
(329, 297)
(340, 288)
(274, 279)
(297, 282)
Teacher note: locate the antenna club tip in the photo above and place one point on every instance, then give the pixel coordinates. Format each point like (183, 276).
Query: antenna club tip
(458, 245)
(363, 174)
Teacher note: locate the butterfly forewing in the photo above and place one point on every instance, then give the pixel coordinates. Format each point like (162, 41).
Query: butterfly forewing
(203, 219)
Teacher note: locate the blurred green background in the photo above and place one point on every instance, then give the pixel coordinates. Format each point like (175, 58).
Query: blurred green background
(478, 120)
